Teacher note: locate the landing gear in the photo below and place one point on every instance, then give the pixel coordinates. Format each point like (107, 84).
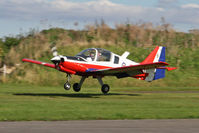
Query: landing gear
(105, 88)
(67, 85)
(77, 86)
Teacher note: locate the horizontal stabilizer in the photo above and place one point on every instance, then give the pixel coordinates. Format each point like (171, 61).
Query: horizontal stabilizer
(168, 68)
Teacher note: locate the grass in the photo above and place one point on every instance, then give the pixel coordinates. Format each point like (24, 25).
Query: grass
(27, 102)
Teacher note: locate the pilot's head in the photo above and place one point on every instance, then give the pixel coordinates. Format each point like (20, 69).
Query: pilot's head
(92, 55)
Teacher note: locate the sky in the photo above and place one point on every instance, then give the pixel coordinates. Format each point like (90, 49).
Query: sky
(22, 16)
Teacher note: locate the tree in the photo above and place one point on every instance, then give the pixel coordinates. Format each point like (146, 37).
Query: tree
(10, 42)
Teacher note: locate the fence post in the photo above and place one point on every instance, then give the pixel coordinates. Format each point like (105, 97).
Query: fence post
(4, 70)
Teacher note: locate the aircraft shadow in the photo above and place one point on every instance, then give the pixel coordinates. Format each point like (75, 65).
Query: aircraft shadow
(78, 95)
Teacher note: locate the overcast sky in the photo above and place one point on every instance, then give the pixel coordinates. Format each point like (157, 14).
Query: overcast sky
(19, 16)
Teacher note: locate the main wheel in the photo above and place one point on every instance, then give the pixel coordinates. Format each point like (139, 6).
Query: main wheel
(76, 87)
(105, 88)
(67, 86)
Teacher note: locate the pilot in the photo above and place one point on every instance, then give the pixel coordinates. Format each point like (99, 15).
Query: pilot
(100, 57)
(92, 55)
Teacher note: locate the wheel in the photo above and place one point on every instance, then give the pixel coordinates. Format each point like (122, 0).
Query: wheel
(105, 88)
(76, 87)
(67, 86)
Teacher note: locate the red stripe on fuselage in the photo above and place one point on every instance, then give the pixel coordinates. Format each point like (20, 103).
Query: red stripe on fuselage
(81, 67)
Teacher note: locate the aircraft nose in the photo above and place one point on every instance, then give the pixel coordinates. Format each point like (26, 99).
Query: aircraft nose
(56, 60)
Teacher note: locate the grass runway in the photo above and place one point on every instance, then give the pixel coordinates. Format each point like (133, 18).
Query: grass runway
(27, 103)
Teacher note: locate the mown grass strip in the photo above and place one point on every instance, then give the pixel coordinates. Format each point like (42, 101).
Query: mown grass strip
(24, 102)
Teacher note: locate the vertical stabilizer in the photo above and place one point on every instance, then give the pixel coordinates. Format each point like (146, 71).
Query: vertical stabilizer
(157, 55)
(151, 56)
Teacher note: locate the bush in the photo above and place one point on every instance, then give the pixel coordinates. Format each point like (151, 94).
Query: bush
(10, 42)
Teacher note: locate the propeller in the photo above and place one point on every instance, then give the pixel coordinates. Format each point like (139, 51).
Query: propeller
(57, 58)
(54, 50)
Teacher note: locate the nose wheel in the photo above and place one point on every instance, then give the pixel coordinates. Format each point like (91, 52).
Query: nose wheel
(67, 86)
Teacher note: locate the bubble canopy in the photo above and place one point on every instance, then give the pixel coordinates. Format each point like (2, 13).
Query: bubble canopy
(95, 54)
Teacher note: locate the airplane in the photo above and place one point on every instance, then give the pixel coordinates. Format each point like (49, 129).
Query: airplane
(98, 63)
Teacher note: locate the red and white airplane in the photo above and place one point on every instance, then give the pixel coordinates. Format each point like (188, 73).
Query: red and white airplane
(97, 62)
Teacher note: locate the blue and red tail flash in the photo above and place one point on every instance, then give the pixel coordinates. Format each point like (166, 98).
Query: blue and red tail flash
(160, 73)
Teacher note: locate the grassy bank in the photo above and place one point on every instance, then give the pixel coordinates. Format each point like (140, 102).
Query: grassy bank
(186, 75)
(25, 102)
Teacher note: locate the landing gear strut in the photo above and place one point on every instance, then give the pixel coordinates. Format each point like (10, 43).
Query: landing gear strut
(105, 88)
(67, 85)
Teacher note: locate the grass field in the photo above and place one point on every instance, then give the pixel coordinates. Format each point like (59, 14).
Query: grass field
(26, 102)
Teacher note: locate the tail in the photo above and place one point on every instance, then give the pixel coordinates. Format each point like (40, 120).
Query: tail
(157, 55)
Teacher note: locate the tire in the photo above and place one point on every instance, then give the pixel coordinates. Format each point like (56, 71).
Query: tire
(105, 88)
(76, 87)
(67, 86)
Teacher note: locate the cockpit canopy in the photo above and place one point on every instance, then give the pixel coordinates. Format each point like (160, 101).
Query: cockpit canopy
(95, 54)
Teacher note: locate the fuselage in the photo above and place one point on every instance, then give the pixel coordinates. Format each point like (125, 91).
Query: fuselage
(92, 59)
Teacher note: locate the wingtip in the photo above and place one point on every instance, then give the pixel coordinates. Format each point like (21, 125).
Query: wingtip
(24, 59)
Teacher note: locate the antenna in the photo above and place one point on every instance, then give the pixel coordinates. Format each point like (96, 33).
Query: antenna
(125, 54)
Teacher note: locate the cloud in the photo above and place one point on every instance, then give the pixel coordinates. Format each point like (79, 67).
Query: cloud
(68, 11)
(191, 6)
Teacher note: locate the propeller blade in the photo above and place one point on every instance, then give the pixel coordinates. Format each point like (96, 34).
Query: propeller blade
(54, 50)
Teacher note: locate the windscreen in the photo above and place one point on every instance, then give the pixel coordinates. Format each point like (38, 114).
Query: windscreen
(88, 53)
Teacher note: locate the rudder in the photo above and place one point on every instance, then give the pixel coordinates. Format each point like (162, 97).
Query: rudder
(160, 73)
(157, 55)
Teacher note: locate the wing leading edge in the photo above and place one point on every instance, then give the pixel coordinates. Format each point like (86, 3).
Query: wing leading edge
(39, 62)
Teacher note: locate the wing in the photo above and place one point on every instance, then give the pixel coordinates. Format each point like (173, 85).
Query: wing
(127, 71)
(39, 62)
